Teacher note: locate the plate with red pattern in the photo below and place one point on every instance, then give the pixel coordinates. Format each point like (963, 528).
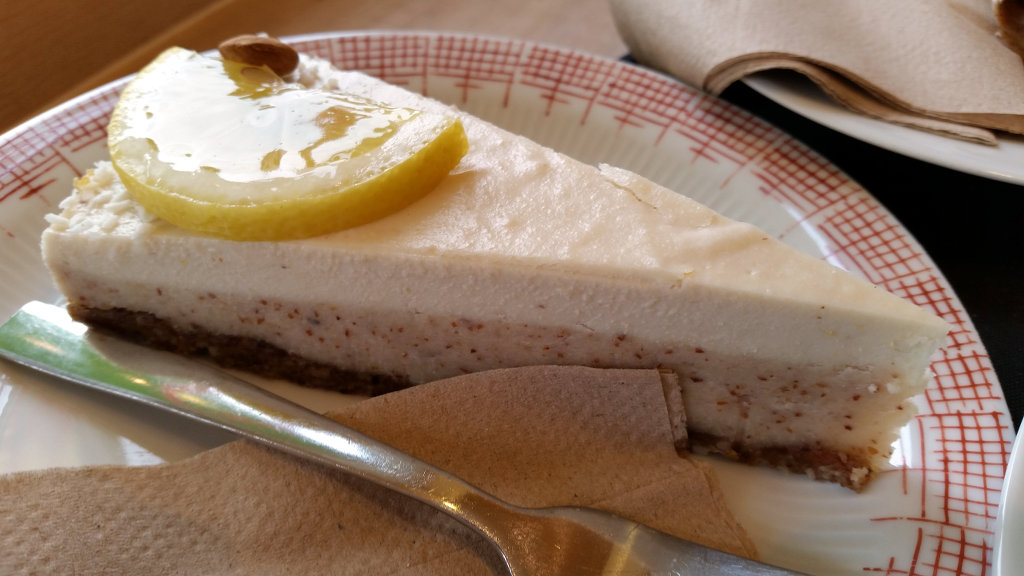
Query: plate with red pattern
(933, 513)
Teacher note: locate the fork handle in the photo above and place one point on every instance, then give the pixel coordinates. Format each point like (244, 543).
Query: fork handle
(44, 337)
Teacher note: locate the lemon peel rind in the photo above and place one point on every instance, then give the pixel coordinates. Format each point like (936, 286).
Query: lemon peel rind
(312, 215)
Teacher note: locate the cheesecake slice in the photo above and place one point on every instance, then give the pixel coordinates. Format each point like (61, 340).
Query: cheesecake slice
(523, 256)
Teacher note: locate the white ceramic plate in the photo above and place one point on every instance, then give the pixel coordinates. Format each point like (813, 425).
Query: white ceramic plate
(1004, 162)
(1009, 554)
(932, 514)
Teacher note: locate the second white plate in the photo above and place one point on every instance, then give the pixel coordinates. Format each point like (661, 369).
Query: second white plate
(1004, 162)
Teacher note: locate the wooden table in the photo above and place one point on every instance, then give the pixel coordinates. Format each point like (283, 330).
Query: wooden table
(969, 225)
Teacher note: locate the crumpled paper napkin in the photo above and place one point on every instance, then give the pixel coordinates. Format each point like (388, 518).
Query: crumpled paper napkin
(936, 65)
(536, 436)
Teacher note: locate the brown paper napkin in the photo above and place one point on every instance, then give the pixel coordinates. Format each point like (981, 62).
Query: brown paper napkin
(936, 65)
(537, 436)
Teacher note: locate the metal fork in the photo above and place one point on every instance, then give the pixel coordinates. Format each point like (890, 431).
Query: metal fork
(559, 540)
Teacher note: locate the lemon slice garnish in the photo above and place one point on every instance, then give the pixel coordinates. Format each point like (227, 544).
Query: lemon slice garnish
(228, 149)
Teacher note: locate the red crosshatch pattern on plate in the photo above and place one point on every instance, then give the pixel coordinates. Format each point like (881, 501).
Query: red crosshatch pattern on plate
(564, 76)
(963, 443)
(36, 149)
(805, 181)
(928, 291)
(718, 133)
(472, 61)
(873, 241)
(398, 60)
(722, 131)
(964, 473)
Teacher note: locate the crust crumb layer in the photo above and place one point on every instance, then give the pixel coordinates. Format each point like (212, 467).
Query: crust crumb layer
(235, 352)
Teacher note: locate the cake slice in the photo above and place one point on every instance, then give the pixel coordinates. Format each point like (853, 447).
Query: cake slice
(522, 256)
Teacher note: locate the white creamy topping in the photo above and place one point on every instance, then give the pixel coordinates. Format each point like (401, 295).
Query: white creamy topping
(102, 205)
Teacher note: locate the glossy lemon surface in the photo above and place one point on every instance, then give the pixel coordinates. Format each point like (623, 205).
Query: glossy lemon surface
(231, 150)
